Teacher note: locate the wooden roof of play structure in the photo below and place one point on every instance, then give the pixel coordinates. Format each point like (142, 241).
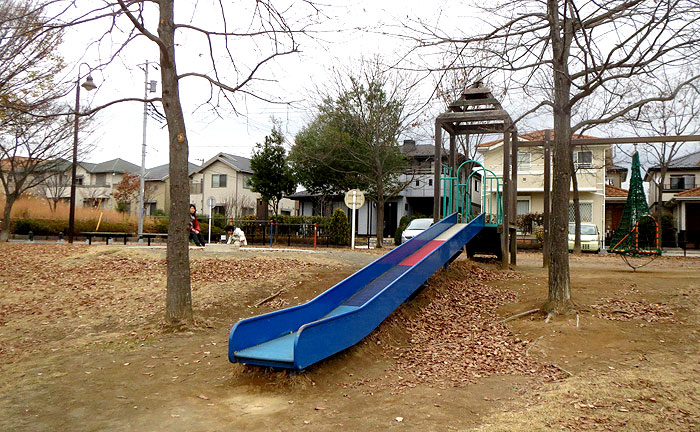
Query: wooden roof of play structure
(475, 111)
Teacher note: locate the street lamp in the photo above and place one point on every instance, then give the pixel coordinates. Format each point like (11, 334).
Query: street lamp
(88, 85)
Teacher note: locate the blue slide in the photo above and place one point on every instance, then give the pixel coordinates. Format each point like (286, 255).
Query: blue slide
(300, 336)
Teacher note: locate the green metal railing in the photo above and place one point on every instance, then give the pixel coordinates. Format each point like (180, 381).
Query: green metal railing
(491, 193)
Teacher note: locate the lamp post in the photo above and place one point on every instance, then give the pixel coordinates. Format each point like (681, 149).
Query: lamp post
(88, 85)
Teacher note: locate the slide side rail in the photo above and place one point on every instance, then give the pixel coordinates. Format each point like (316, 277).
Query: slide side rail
(320, 339)
(256, 330)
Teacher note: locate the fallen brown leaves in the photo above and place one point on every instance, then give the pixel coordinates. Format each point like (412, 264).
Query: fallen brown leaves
(53, 291)
(625, 310)
(456, 337)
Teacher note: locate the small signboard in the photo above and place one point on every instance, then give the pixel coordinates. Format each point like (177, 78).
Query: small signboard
(354, 199)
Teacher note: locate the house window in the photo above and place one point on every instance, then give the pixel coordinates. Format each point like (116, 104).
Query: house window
(151, 208)
(417, 182)
(586, 209)
(218, 180)
(101, 179)
(477, 185)
(430, 182)
(246, 182)
(195, 188)
(583, 159)
(78, 181)
(523, 206)
(682, 181)
(218, 210)
(524, 161)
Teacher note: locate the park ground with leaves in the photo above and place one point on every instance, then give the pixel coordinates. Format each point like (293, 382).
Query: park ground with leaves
(82, 347)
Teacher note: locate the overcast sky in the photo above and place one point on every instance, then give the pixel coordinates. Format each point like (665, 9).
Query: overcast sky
(352, 31)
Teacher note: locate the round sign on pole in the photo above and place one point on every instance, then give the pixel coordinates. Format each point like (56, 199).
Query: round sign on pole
(211, 201)
(354, 199)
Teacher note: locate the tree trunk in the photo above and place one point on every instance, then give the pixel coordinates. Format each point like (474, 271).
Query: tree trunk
(179, 295)
(559, 279)
(5, 227)
(577, 211)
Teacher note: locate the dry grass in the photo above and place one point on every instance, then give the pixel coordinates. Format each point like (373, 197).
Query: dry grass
(36, 208)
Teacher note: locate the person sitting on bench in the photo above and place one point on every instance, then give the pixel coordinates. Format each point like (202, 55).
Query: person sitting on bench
(195, 230)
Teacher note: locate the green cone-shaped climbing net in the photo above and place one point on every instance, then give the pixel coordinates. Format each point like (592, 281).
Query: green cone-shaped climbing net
(637, 234)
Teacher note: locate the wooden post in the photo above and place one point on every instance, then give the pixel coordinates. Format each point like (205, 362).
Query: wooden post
(514, 196)
(547, 194)
(506, 196)
(438, 166)
(453, 166)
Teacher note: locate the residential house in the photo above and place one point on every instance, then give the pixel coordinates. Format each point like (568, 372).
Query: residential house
(682, 174)
(680, 194)
(614, 175)
(226, 179)
(95, 182)
(157, 188)
(589, 162)
(416, 199)
(686, 213)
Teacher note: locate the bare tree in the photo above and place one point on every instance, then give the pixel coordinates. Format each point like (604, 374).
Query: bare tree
(234, 205)
(31, 148)
(28, 61)
(55, 185)
(238, 41)
(562, 53)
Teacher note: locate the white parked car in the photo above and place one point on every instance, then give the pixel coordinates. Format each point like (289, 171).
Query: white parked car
(590, 237)
(415, 227)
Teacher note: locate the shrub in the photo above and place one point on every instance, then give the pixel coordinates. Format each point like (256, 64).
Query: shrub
(668, 230)
(339, 228)
(526, 221)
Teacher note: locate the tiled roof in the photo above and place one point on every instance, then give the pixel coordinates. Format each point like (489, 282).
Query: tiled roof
(115, 166)
(613, 168)
(532, 136)
(614, 191)
(689, 161)
(241, 163)
(420, 150)
(163, 171)
(689, 193)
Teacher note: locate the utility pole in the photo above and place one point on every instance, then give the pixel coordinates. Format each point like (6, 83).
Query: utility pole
(148, 86)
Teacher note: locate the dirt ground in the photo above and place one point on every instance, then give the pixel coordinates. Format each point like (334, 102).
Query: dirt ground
(82, 347)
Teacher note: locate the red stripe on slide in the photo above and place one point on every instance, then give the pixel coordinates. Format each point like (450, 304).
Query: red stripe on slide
(421, 253)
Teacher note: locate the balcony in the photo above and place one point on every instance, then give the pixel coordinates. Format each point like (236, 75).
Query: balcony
(678, 186)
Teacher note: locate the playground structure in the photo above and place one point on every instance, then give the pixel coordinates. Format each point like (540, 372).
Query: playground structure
(477, 111)
(637, 236)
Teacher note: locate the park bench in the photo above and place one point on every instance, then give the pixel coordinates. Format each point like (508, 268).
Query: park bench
(150, 236)
(106, 236)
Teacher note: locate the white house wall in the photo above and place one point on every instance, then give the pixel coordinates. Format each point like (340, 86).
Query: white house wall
(235, 189)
